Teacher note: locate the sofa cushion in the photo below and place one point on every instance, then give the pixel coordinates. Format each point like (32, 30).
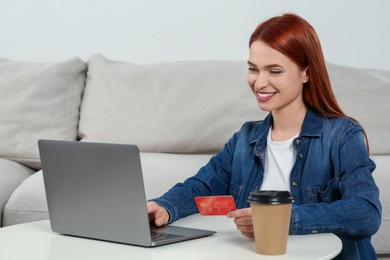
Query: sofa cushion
(38, 100)
(161, 171)
(365, 95)
(11, 175)
(195, 106)
(178, 107)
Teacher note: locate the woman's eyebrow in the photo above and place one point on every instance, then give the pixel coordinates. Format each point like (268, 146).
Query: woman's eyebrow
(251, 64)
(269, 66)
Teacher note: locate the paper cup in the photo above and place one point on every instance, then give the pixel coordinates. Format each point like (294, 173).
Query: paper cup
(271, 212)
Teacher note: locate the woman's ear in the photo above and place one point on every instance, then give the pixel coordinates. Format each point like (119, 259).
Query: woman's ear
(306, 75)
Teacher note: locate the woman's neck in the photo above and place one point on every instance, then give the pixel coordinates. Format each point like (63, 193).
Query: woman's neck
(287, 123)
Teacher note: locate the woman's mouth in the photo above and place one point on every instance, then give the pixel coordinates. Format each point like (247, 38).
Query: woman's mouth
(264, 96)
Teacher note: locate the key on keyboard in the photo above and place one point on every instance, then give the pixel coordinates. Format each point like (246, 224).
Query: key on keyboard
(156, 236)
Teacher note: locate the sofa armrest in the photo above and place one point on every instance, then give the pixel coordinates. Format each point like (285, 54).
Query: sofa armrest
(11, 175)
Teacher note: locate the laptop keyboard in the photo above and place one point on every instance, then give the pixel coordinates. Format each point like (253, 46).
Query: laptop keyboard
(156, 236)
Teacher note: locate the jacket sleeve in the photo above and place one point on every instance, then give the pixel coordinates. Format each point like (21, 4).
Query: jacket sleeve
(211, 179)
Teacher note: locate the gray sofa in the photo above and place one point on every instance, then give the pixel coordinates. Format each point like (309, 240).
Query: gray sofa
(178, 113)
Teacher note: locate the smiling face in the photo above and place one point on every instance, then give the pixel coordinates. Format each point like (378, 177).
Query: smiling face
(275, 80)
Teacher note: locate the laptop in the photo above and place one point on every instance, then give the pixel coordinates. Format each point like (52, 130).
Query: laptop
(96, 190)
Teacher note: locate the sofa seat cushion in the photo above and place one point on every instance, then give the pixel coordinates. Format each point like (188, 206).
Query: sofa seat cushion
(38, 100)
(161, 171)
(11, 175)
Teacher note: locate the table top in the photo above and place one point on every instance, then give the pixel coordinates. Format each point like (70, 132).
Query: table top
(35, 240)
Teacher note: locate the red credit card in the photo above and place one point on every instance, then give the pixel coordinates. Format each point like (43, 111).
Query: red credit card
(215, 205)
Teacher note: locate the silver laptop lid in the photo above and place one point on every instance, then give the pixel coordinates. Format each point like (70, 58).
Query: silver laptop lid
(95, 190)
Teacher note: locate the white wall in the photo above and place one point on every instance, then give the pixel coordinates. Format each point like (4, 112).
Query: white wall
(353, 32)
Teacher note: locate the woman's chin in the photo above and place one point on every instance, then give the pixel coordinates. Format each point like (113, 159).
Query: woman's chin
(262, 107)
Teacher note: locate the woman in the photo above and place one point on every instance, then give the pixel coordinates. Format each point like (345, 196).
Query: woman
(306, 145)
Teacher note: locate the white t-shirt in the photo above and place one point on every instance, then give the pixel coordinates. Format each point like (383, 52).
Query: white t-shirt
(279, 160)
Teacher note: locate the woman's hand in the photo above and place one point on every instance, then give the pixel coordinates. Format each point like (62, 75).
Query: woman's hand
(157, 214)
(243, 221)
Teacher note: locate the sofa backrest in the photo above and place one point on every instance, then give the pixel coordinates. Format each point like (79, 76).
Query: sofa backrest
(365, 96)
(175, 107)
(196, 106)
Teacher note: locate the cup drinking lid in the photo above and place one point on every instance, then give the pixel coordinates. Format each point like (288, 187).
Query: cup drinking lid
(270, 197)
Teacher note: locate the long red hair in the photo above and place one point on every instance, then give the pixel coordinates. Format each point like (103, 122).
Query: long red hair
(294, 37)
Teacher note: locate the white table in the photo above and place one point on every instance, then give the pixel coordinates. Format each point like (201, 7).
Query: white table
(35, 240)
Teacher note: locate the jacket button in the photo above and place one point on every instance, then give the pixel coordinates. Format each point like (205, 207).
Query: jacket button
(314, 231)
(295, 184)
(297, 142)
(300, 156)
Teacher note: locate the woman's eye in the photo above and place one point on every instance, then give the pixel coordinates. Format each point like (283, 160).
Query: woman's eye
(250, 69)
(275, 72)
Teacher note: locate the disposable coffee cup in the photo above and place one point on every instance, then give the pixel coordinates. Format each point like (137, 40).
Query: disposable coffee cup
(271, 212)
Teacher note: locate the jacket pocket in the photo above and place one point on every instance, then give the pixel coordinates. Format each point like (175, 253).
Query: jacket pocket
(329, 194)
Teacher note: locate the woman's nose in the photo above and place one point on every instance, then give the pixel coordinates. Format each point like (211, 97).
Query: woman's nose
(261, 80)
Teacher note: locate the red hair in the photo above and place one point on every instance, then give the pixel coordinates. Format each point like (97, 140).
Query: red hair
(296, 38)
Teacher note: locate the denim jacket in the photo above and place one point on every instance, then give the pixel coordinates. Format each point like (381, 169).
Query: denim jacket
(331, 180)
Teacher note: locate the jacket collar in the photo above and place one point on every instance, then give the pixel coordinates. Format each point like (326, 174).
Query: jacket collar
(312, 126)
(262, 129)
